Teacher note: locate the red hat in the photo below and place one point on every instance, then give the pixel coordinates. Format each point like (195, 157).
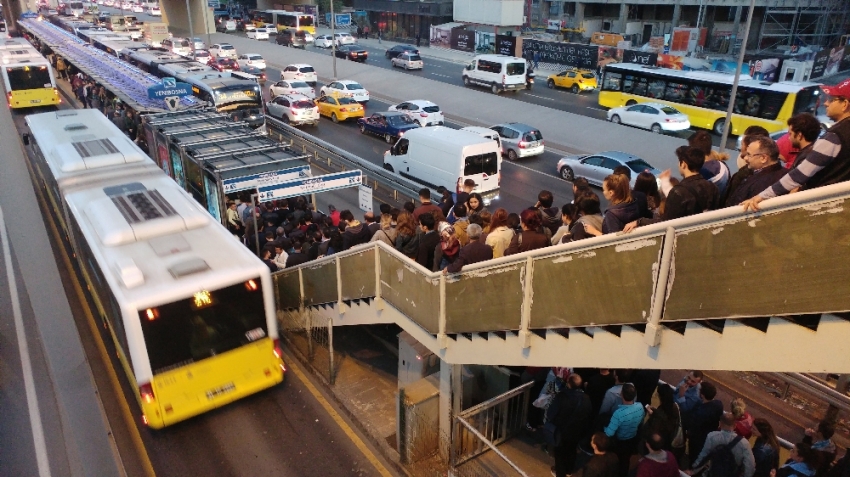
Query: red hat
(841, 89)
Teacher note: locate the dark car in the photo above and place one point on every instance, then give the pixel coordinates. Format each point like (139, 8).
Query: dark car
(352, 52)
(297, 39)
(389, 125)
(399, 49)
(224, 64)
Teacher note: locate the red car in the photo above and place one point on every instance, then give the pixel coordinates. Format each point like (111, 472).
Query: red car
(224, 64)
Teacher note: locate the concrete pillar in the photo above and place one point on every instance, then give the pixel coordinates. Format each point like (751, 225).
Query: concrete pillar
(579, 15)
(450, 402)
(624, 13)
(677, 14)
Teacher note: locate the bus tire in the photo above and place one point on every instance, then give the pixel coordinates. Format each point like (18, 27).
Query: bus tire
(718, 127)
(631, 102)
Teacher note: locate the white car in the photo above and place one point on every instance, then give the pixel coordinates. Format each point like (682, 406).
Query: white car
(408, 60)
(269, 28)
(323, 41)
(346, 89)
(308, 37)
(656, 117)
(199, 44)
(256, 34)
(291, 87)
(251, 59)
(201, 56)
(423, 113)
(295, 109)
(344, 39)
(223, 50)
(138, 9)
(300, 72)
(135, 32)
(155, 12)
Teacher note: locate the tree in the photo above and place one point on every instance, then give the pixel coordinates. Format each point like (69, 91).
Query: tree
(325, 6)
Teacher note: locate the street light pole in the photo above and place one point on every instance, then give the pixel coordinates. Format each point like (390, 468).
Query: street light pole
(191, 30)
(333, 39)
(207, 26)
(727, 124)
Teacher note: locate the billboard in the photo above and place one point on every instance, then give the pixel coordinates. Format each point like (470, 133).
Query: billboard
(833, 66)
(462, 40)
(765, 69)
(506, 45)
(640, 57)
(568, 54)
(819, 67)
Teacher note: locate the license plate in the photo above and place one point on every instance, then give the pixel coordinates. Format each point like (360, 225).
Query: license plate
(35, 101)
(214, 393)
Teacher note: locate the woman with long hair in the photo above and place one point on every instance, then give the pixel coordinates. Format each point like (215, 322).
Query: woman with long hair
(622, 209)
(765, 448)
(530, 238)
(802, 462)
(665, 419)
(387, 233)
(499, 238)
(474, 205)
(407, 238)
(647, 183)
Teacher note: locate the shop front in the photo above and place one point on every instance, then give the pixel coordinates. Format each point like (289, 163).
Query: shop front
(404, 20)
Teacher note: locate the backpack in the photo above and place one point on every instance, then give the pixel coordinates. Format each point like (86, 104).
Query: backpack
(721, 461)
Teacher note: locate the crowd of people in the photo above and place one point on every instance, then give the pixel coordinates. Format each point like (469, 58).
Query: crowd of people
(603, 423)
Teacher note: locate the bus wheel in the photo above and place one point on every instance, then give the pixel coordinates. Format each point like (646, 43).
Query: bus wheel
(631, 102)
(718, 126)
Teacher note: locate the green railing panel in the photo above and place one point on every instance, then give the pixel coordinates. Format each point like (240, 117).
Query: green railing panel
(791, 262)
(288, 289)
(320, 283)
(609, 285)
(410, 292)
(357, 273)
(485, 300)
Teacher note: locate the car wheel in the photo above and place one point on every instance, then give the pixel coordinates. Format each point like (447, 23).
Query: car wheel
(465, 81)
(494, 89)
(388, 138)
(656, 128)
(718, 127)
(615, 119)
(387, 54)
(334, 118)
(284, 118)
(550, 84)
(512, 155)
(631, 102)
(574, 89)
(388, 167)
(362, 129)
(567, 174)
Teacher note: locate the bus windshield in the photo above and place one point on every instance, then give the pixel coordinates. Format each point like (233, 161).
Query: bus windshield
(208, 324)
(28, 77)
(305, 20)
(76, 5)
(808, 100)
(237, 97)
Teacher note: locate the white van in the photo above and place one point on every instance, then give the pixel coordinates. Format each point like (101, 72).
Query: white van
(497, 72)
(441, 156)
(484, 132)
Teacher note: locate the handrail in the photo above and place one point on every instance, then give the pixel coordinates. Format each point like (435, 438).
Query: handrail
(822, 392)
(490, 445)
(496, 400)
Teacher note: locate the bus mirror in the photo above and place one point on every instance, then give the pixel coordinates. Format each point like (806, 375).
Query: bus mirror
(26, 138)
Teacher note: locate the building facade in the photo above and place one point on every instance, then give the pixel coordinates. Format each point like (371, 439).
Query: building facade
(405, 19)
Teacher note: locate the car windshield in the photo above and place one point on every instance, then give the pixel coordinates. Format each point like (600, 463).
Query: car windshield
(400, 120)
(255, 57)
(431, 109)
(302, 104)
(226, 47)
(306, 69)
(516, 69)
(353, 86)
(638, 165)
(298, 84)
(669, 110)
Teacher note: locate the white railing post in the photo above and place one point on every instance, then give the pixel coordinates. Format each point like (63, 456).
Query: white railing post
(379, 301)
(442, 338)
(652, 336)
(340, 306)
(528, 292)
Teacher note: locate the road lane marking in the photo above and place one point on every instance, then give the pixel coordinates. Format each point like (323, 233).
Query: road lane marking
(23, 350)
(443, 76)
(361, 446)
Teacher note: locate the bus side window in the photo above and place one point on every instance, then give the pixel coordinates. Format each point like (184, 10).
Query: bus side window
(675, 92)
(656, 88)
(718, 98)
(611, 81)
(771, 104)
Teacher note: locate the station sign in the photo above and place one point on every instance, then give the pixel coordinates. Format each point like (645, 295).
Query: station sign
(236, 184)
(169, 87)
(313, 185)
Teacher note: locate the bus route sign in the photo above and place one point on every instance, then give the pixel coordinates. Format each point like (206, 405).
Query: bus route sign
(310, 185)
(169, 87)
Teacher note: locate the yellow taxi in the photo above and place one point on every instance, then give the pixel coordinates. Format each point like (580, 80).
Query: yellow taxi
(576, 80)
(340, 108)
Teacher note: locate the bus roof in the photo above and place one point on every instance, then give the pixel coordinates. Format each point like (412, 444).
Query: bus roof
(14, 44)
(710, 76)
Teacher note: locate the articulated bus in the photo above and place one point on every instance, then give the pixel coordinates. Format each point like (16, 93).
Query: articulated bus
(240, 99)
(28, 78)
(189, 309)
(704, 97)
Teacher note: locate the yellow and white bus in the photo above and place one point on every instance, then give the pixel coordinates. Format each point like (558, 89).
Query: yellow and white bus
(295, 21)
(704, 96)
(28, 78)
(190, 309)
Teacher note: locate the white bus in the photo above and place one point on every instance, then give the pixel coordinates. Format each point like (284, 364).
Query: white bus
(190, 309)
(75, 9)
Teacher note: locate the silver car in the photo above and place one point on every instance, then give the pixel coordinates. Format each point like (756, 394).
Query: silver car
(519, 140)
(596, 167)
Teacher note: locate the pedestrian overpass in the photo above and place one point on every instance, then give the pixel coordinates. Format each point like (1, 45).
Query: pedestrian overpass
(726, 290)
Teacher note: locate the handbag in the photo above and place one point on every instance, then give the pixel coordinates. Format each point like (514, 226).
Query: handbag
(679, 437)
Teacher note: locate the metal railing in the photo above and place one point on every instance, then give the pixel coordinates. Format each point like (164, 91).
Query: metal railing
(387, 185)
(486, 425)
(812, 386)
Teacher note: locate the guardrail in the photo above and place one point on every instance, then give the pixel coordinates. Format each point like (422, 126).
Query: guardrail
(387, 185)
(819, 390)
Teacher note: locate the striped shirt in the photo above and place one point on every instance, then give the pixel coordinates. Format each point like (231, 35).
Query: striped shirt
(823, 152)
(625, 421)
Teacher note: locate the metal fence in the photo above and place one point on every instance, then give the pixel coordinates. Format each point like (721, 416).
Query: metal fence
(482, 427)
(311, 335)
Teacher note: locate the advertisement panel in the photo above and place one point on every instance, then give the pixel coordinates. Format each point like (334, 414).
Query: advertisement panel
(640, 57)
(766, 69)
(506, 45)
(607, 55)
(819, 66)
(462, 40)
(568, 54)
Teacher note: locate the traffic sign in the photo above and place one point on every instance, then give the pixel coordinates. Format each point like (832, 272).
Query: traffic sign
(364, 196)
(235, 184)
(169, 87)
(327, 182)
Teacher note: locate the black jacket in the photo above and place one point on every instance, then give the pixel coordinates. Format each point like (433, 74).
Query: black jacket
(427, 244)
(617, 216)
(295, 259)
(570, 411)
(753, 184)
(692, 195)
(355, 235)
(473, 252)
